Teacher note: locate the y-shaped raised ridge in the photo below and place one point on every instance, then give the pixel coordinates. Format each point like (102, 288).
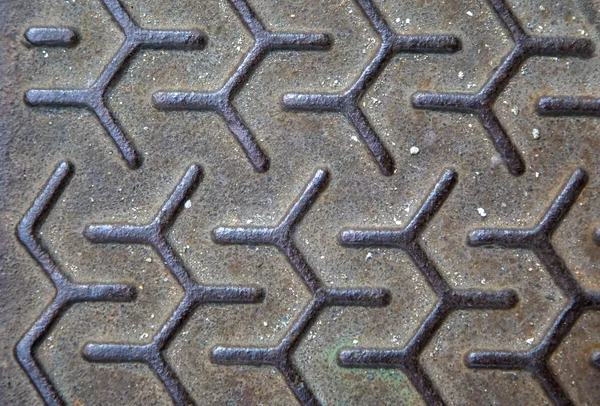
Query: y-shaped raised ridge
(221, 101)
(539, 241)
(94, 96)
(449, 299)
(347, 102)
(67, 292)
(481, 103)
(155, 235)
(281, 236)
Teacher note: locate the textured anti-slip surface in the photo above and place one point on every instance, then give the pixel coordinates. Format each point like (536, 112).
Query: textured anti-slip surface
(333, 202)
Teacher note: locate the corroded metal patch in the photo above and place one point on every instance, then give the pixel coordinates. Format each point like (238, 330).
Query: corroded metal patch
(284, 264)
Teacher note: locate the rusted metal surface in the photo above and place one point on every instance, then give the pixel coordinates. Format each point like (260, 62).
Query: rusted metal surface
(289, 264)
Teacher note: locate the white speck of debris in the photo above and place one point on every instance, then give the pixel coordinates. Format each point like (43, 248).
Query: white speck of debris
(148, 259)
(536, 133)
(408, 21)
(265, 323)
(481, 212)
(414, 150)
(188, 204)
(537, 174)
(293, 15)
(515, 111)
(461, 75)
(369, 256)
(470, 13)
(530, 341)
(397, 20)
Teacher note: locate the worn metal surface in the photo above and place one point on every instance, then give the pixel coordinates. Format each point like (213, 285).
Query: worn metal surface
(350, 244)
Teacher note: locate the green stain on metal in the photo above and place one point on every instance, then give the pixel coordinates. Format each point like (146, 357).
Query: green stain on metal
(390, 377)
(332, 353)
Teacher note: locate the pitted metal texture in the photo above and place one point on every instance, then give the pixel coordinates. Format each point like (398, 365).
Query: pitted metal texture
(454, 260)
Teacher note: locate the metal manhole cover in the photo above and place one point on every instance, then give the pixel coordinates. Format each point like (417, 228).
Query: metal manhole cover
(341, 202)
